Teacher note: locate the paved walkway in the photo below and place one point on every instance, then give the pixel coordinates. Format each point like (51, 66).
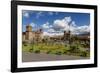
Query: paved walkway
(31, 57)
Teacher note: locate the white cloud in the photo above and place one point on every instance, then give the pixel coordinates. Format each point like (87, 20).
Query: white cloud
(80, 29)
(24, 28)
(46, 33)
(52, 34)
(25, 14)
(45, 26)
(58, 24)
(39, 14)
(67, 24)
(73, 24)
(68, 19)
(62, 24)
(84, 28)
(33, 24)
(51, 30)
(73, 27)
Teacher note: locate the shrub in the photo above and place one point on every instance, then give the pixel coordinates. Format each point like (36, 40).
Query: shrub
(58, 53)
(84, 54)
(74, 48)
(66, 52)
(25, 43)
(37, 51)
(31, 50)
(48, 52)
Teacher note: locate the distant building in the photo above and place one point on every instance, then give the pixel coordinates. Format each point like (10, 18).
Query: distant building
(64, 37)
(37, 36)
(84, 37)
(30, 36)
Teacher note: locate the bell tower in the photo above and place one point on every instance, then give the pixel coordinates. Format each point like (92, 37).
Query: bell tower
(28, 28)
(29, 34)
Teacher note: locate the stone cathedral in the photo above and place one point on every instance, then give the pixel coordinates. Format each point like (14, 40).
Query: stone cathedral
(30, 35)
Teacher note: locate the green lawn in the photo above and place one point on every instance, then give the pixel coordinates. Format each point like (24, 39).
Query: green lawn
(57, 49)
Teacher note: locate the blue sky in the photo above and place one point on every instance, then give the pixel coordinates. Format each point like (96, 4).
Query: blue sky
(56, 21)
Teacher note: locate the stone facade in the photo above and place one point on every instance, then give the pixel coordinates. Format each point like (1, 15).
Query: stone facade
(30, 36)
(37, 36)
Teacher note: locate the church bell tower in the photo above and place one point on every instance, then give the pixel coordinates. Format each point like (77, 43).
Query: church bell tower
(28, 28)
(29, 32)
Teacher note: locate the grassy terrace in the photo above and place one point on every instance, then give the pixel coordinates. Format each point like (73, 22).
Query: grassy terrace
(57, 49)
